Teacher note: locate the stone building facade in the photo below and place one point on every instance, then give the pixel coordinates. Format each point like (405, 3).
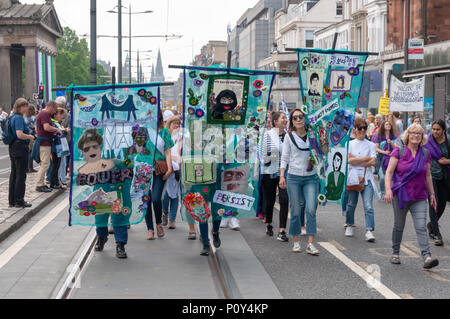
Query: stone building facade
(28, 35)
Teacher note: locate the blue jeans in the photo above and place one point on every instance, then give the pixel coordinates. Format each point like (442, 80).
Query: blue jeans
(204, 230)
(156, 194)
(303, 192)
(120, 224)
(352, 202)
(381, 174)
(173, 202)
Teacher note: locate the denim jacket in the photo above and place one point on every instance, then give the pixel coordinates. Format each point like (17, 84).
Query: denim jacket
(37, 147)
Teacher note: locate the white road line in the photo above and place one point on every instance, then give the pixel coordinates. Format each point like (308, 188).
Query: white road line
(9, 253)
(382, 289)
(4, 156)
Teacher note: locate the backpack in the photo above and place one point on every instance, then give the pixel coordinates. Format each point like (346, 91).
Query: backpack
(401, 150)
(7, 134)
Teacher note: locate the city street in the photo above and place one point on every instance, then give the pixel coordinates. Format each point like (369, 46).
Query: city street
(45, 251)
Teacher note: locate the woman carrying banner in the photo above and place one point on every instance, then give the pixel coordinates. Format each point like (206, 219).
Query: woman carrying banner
(385, 144)
(440, 171)
(302, 181)
(162, 171)
(408, 185)
(361, 158)
(270, 169)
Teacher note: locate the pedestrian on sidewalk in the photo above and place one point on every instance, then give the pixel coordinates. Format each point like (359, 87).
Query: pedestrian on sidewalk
(64, 126)
(440, 171)
(163, 170)
(361, 159)
(90, 146)
(302, 181)
(272, 149)
(408, 185)
(385, 143)
(30, 120)
(43, 145)
(61, 150)
(171, 200)
(18, 154)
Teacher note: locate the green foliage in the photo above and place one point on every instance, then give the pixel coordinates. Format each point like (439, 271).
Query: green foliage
(73, 61)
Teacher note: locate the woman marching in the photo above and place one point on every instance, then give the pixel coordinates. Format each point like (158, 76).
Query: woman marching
(385, 144)
(440, 168)
(408, 185)
(271, 152)
(302, 181)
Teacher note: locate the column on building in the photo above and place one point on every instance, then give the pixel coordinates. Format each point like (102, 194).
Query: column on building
(5, 78)
(31, 85)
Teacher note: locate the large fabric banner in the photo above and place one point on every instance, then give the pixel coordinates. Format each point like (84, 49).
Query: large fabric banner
(113, 147)
(225, 113)
(330, 83)
(407, 96)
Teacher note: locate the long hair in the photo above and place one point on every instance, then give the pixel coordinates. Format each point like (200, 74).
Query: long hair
(382, 130)
(441, 123)
(291, 120)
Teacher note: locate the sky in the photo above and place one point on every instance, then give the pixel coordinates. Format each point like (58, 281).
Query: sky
(198, 21)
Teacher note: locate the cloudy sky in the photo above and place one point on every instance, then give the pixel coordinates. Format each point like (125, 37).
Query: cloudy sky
(198, 21)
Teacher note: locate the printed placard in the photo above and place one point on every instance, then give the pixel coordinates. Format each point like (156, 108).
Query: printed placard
(407, 96)
(234, 200)
(327, 109)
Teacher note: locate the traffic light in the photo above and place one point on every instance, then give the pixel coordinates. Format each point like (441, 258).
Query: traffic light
(41, 92)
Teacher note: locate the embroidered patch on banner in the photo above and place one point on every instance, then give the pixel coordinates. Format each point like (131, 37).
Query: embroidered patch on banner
(233, 200)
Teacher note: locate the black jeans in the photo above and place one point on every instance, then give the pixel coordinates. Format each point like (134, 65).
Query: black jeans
(441, 191)
(18, 153)
(54, 178)
(269, 186)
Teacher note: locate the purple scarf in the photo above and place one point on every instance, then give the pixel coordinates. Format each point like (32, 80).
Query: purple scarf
(387, 147)
(398, 188)
(435, 151)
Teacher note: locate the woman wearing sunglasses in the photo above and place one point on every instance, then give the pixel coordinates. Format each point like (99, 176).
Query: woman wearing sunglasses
(361, 159)
(302, 181)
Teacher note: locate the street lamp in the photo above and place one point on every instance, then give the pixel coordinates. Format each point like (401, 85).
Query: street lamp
(120, 32)
(138, 77)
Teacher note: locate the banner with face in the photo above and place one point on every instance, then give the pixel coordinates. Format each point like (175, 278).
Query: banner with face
(114, 136)
(330, 84)
(225, 113)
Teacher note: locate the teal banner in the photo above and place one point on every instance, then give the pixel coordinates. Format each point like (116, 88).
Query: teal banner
(330, 84)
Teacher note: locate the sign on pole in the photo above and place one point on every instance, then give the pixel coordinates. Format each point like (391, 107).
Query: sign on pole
(383, 107)
(35, 96)
(415, 49)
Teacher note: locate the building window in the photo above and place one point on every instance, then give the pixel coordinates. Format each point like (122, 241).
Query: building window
(309, 39)
(339, 8)
(359, 39)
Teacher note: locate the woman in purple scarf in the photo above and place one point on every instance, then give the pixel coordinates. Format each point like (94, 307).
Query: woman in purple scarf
(408, 183)
(440, 168)
(384, 144)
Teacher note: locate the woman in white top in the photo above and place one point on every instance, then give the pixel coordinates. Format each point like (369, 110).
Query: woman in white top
(361, 159)
(302, 181)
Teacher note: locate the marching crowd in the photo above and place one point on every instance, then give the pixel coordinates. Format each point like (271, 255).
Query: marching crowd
(412, 167)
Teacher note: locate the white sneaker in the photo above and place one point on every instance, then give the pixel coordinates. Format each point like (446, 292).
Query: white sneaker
(312, 250)
(349, 231)
(234, 223)
(370, 237)
(296, 248)
(224, 223)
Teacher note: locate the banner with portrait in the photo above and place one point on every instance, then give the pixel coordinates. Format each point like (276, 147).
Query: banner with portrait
(330, 85)
(114, 132)
(224, 116)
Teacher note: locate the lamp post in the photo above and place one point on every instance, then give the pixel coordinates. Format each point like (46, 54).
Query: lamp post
(119, 12)
(138, 77)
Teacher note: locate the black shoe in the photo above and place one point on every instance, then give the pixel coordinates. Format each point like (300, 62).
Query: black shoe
(430, 234)
(430, 264)
(101, 243)
(56, 187)
(12, 205)
(43, 189)
(269, 230)
(216, 240)
(205, 250)
(23, 205)
(438, 240)
(282, 236)
(120, 251)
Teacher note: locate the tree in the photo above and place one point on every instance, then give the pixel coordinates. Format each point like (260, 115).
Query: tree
(73, 62)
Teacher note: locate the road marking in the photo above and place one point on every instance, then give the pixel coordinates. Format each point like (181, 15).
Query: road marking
(365, 266)
(9, 253)
(382, 289)
(338, 246)
(406, 296)
(4, 156)
(434, 274)
(409, 252)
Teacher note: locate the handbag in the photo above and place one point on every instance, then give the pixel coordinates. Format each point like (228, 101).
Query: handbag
(161, 168)
(359, 187)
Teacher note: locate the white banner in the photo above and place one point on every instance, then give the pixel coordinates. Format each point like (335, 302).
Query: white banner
(233, 200)
(407, 96)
